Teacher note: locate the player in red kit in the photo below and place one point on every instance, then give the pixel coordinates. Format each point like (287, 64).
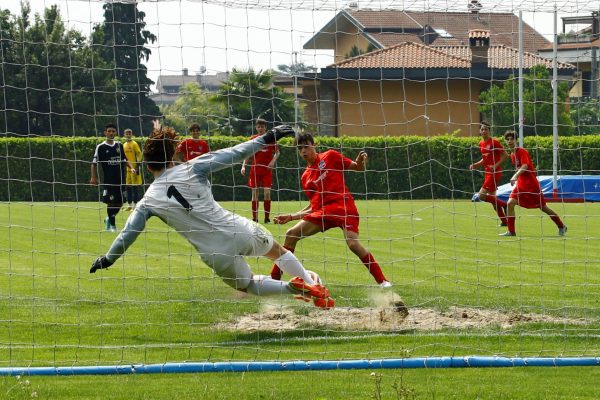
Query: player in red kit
(261, 173)
(191, 147)
(527, 192)
(331, 203)
(492, 157)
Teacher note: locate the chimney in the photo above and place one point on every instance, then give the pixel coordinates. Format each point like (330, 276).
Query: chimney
(185, 72)
(479, 43)
(474, 6)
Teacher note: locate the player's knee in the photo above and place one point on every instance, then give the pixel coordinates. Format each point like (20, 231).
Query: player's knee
(355, 246)
(292, 235)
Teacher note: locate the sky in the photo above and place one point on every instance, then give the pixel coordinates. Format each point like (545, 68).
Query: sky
(219, 35)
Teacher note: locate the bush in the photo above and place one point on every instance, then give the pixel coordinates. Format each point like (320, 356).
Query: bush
(405, 167)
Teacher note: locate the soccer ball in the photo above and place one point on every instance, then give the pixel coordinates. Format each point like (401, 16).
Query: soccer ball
(315, 277)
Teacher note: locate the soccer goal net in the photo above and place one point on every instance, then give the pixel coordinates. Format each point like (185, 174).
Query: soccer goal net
(467, 246)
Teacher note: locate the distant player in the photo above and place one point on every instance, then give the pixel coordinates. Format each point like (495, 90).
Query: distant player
(111, 157)
(261, 173)
(331, 204)
(133, 179)
(181, 196)
(527, 192)
(191, 147)
(492, 157)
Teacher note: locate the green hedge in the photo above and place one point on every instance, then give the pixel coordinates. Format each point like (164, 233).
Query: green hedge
(408, 167)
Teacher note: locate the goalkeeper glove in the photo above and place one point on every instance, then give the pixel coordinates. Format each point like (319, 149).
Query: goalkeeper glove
(100, 263)
(278, 132)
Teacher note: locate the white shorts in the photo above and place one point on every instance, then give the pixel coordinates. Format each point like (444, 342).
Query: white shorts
(228, 260)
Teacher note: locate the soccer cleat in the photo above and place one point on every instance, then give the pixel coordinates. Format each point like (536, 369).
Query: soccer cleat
(113, 229)
(503, 224)
(475, 198)
(562, 231)
(508, 233)
(385, 285)
(324, 303)
(267, 221)
(107, 224)
(318, 291)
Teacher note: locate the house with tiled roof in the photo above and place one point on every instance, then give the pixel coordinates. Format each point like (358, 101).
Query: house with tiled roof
(384, 28)
(168, 86)
(580, 48)
(425, 76)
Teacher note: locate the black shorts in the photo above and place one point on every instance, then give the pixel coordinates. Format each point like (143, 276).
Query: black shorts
(112, 195)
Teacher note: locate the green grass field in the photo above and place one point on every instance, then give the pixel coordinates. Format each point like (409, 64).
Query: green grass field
(160, 303)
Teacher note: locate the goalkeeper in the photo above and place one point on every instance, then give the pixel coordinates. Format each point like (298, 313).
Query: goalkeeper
(181, 196)
(331, 204)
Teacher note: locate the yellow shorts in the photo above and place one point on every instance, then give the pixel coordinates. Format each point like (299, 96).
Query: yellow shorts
(133, 179)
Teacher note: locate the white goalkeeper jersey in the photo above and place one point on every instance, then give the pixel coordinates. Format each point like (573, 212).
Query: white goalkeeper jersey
(182, 198)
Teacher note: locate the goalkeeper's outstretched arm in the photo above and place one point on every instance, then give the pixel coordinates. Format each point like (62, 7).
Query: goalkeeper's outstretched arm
(224, 158)
(133, 227)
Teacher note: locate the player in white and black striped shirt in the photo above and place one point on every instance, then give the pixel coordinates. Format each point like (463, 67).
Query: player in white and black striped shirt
(111, 157)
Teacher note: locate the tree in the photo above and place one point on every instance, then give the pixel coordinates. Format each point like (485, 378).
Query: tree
(499, 104)
(295, 69)
(54, 82)
(194, 106)
(355, 51)
(42, 89)
(586, 116)
(248, 95)
(124, 39)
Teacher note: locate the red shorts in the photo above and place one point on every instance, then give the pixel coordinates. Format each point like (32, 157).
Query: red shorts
(491, 181)
(260, 177)
(528, 199)
(344, 217)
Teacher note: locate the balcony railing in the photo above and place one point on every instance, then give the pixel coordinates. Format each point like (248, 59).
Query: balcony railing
(566, 39)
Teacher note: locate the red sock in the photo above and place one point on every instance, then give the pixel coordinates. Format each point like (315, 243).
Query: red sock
(373, 267)
(276, 272)
(498, 204)
(255, 210)
(267, 205)
(510, 221)
(557, 221)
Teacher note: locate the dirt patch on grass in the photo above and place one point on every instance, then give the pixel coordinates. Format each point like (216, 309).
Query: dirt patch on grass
(388, 313)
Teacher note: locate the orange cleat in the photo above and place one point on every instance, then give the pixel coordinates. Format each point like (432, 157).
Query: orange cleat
(324, 303)
(319, 294)
(304, 288)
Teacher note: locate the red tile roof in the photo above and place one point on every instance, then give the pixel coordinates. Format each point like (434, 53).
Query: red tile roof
(503, 27)
(415, 55)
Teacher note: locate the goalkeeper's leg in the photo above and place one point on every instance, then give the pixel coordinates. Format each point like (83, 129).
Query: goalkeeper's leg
(293, 235)
(285, 260)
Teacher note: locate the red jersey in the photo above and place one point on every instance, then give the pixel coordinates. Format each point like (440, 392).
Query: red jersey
(526, 182)
(263, 157)
(491, 152)
(323, 181)
(192, 148)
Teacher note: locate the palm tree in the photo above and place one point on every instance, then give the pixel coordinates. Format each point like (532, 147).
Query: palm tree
(248, 95)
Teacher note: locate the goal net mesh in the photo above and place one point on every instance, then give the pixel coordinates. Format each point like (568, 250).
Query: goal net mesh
(408, 82)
